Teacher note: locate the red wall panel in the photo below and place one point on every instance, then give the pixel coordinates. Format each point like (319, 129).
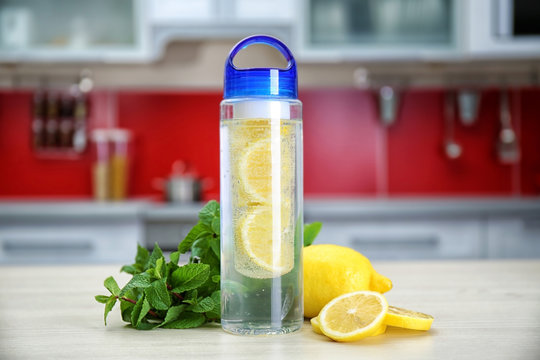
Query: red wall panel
(339, 142)
(530, 141)
(23, 173)
(168, 127)
(416, 160)
(346, 151)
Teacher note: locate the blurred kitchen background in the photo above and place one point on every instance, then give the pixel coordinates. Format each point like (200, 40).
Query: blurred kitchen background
(421, 122)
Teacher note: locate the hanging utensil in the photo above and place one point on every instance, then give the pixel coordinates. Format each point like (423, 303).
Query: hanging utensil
(388, 105)
(452, 148)
(468, 103)
(507, 143)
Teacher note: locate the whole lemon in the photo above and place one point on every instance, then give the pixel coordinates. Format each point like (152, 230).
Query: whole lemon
(333, 270)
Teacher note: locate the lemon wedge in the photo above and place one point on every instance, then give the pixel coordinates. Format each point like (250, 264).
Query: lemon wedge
(353, 316)
(408, 319)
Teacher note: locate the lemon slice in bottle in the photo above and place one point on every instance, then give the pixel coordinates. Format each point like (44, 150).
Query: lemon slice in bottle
(263, 251)
(259, 167)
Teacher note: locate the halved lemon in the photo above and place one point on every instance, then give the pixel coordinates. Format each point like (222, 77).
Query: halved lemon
(353, 316)
(316, 326)
(408, 319)
(266, 249)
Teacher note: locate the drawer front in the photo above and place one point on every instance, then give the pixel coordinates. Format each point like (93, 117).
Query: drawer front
(62, 244)
(389, 240)
(514, 238)
(167, 234)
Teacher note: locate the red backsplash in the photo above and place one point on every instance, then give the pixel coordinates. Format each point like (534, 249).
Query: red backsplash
(346, 150)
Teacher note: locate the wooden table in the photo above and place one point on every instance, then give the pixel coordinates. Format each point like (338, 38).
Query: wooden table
(482, 310)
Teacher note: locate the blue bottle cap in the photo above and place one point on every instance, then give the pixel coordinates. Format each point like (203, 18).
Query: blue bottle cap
(260, 82)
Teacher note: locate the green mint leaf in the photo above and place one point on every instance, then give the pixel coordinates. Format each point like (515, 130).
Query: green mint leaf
(108, 307)
(210, 259)
(152, 260)
(214, 245)
(175, 257)
(216, 279)
(187, 320)
(112, 286)
(208, 213)
(142, 256)
(200, 247)
(144, 310)
(215, 313)
(102, 298)
(139, 311)
(173, 314)
(158, 271)
(141, 280)
(196, 232)
(311, 231)
(206, 304)
(126, 308)
(143, 325)
(191, 297)
(157, 295)
(216, 224)
(216, 296)
(131, 269)
(189, 277)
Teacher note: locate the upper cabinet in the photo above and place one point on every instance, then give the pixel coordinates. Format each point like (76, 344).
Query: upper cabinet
(73, 30)
(317, 30)
(379, 29)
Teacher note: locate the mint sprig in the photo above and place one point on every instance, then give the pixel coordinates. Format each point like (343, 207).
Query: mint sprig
(164, 294)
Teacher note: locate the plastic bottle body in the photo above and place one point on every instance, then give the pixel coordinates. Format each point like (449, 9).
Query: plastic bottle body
(261, 215)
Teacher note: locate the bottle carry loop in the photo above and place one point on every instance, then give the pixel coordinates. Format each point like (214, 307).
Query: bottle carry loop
(260, 82)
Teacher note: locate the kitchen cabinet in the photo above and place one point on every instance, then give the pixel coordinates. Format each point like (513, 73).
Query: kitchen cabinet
(431, 229)
(406, 229)
(129, 30)
(74, 31)
(514, 237)
(69, 233)
(510, 29)
(168, 225)
(229, 19)
(336, 30)
(394, 239)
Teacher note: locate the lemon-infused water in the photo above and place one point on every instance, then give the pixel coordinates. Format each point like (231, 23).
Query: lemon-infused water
(261, 196)
(261, 225)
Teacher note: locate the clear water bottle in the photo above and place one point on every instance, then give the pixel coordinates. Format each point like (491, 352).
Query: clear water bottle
(261, 197)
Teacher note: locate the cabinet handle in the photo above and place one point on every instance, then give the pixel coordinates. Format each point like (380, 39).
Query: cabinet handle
(47, 246)
(409, 242)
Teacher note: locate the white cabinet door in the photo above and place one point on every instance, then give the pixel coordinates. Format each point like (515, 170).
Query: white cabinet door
(408, 239)
(61, 242)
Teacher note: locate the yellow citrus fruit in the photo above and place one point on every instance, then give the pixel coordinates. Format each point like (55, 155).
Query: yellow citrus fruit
(353, 316)
(316, 326)
(261, 172)
(262, 251)
(408, 319)
(332, 270)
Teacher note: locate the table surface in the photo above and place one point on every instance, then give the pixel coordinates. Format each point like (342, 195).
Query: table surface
(482, 310)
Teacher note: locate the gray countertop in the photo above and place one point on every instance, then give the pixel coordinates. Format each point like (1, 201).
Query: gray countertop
(314, 208)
